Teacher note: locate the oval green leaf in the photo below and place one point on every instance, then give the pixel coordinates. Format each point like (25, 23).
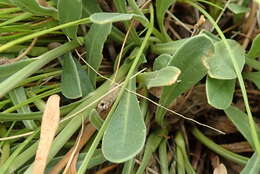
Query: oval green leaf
(163, 77)
(220, 65)
(125, 136)
(220, 92)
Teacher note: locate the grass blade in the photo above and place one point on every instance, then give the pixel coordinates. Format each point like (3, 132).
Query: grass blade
(31, 68)
(161, 8)
(17, 96)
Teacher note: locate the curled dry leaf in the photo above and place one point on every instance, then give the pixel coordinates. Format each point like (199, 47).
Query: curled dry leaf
(220, 169)
(50, 122)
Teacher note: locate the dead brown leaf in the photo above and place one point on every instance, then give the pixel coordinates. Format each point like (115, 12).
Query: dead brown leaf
(89, 130)
(50, 122)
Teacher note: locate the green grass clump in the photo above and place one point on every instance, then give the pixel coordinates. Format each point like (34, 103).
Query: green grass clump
(142, 85)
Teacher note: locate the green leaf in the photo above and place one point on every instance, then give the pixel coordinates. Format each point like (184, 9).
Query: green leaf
(103, 18)
(161, 8)
(254, 63)
(161, 61)
(255, 48)
(237, 9)
(214, 38)
(163, 155)
(220, 92)
(9, 69)
(168, 48)
(152, 144)
(128, 167)
(89, 7)
(17, 96)
(254, 77)
(70, 81)
(240, 120)
(125, 136)
(70, 11)
(163, 77)
(220, 65)
(183, 155)
(188, 58)
(85, 83)
(94, 43)
(34, 7)
(252, 166)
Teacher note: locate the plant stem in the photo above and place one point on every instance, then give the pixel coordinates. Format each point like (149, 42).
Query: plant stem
(218, 149)
(40, 33)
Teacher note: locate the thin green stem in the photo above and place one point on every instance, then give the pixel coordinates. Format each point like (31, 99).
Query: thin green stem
(218, 149)
(239, 76)
(16, 19)
(40, 33)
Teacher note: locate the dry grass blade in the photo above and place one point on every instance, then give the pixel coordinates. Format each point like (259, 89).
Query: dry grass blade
(220, 169)
(75, 152)
(89, 130)
(50, 122)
